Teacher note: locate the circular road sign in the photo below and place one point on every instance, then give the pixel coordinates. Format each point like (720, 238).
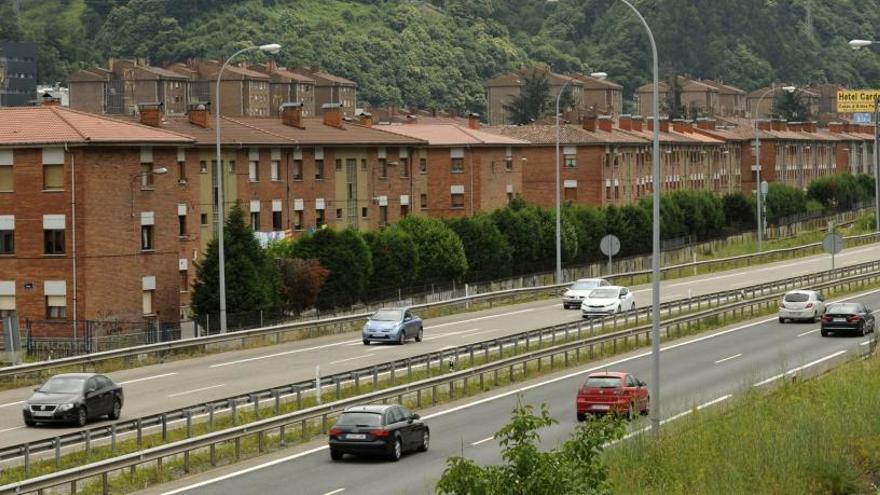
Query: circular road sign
(833, 243)
(610, 245)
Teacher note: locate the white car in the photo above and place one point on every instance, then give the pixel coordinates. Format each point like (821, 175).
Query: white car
(805, 305)
(607, 301)
(581, 288)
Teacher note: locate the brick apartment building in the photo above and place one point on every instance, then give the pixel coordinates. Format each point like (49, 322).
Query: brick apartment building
(285, 86)
(331, 89)
(125, 83)
(765, 110)
(694, 96)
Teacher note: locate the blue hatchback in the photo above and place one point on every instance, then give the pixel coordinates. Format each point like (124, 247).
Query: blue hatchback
(392, 325)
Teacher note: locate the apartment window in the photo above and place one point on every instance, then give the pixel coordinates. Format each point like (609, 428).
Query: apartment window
(53, 176)
(404, 168)
(7, 242)
(404, 211)
(184, 281)
(148, 302)
(181, 225)
(383, 168)
(6, 180)
(147, 175)
(255, 220)
(364, 212)
(339, 213)
(56, 307)
(319, 168)
(509, 197)
(276, 221)
(181, 171)
(298, 220)
(457, 165)
(253, 170)
(457, 200)
(423, 201)
(204, 219)
(319, 218)
(231, 166)
(364, 164)
(147, 238)
(423, 165)
(339, 164)
(276, 169)
(570, 194)
(508, 164)
(53, 234)
(383, 215)
(570, 162)
(203, 167)
(298, 169)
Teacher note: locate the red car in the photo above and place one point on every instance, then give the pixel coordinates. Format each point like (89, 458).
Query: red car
(616, 393)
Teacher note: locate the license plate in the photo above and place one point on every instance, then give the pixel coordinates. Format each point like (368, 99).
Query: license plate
(840, 319)
(42, 414)
(601, 407)
(356, 436)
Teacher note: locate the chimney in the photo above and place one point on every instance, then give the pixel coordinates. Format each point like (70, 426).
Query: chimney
(847, 127)
(151, 114)
(198, 115)
(589, 123)
(664, 124)
(764, 125)
(625, 122)
(636, 123)
(605, 123)
(835, 127)
(678, 126)
(810, 126)
(474, 121)
(778, 125)
(367, 119)
(704, 123)
(291, 114)
(51, 102)
(332, 114)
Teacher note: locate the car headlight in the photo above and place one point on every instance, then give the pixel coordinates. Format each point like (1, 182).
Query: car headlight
(26, 407)
(65, 407)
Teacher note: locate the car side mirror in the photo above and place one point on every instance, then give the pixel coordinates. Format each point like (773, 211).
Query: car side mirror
(642, 384)
(623, 296)
(415, 416)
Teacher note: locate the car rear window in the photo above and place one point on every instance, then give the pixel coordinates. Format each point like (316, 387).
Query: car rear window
(603, 382)
(588, 284)
(797, 297)
(360, 419)
(603, 293)
(844, 308)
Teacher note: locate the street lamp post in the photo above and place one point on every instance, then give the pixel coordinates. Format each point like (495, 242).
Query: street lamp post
(155, 171)
(218, 169)
(596, 75)
(857, 44)
(788, 89)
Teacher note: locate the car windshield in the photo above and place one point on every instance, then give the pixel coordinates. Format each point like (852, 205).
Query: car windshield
(63, 385)
(797, 297)
(603, 293)
(585, 285)
(849, 309)
(387, 315)
(360, 419)
(603, 382)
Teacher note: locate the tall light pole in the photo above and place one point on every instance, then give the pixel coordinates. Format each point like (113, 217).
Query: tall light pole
(789, 89)
(596, 75)
(218, 169)
(856, 44)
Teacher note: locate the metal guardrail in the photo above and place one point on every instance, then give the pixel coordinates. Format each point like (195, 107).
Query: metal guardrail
(83, 439)
(276, 334)
(448, 383)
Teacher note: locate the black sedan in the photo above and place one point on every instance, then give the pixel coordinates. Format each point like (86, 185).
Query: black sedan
(847, 317)
(73, 398)
(385, 430)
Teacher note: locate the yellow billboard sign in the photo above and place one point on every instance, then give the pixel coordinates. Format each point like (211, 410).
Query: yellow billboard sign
(857, 101)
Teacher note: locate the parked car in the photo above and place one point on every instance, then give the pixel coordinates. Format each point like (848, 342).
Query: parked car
(847, 317)
(612, 393)
(73, 398)
(575, 295)
(801, 305)
(392, 325)
(384, 430)
(608, 300)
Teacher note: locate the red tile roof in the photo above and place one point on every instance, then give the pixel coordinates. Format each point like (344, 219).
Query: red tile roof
(568, 134)
(56, 125)
(450, 135)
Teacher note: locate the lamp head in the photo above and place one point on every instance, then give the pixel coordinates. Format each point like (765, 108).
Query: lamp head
(789, 89)
(856, 44)
(272, 48)
(159, 171)
(599, 75)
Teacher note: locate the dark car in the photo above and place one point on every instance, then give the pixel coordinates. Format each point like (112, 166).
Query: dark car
(847, 317)
(384, 430)
(73, 398)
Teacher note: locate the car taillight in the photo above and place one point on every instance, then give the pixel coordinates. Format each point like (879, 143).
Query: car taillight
(335, 432)
(853, 318)
(826, 317)
(379, 433)
(809, 305)
(618, 391)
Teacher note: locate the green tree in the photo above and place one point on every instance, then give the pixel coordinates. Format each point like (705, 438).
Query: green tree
(782, 201)
(589, 227)
(346, 255)
(251, 279)
(441, 253)
(533, 101)
(575, 467)
(842, 191)
(739, 211)
(523, 232)
(791, 107)
(395, 258)
(488, 253)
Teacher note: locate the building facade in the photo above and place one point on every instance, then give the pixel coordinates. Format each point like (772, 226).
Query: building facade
(18, 73)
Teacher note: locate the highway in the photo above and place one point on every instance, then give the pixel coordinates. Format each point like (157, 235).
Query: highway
(698, 371)
(163, 387)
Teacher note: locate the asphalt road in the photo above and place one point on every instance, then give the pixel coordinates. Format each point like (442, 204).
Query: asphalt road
(158, 388)
(695, 372)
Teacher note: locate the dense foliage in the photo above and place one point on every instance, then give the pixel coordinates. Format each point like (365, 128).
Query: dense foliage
(415, 53)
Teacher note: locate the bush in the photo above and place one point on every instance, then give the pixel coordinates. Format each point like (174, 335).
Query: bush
(589, 227)
(866, 183)
(395, 258)
(841, 191)
(301, 282)
(346, 255)
(782, 201)
(487, 250)
(523, 233)
(440, 251)
(739, 211)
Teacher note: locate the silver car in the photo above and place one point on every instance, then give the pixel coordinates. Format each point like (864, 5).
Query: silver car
(575, 295)
(392, 325)
(804, 305)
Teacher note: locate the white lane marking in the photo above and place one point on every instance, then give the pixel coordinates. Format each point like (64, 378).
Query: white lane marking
(334, 492)
(146, 378)
(481, 318)
(478, 442)
(285, 353)
(178, 394)
(450, 334)
(12, 404)
(808, 332)
(728, 358)
(10, 429)
(352, 358)
(867, 342)
(444, 348)
(795, 370)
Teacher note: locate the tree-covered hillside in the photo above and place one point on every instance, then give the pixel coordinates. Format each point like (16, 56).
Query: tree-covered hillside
(438, 53)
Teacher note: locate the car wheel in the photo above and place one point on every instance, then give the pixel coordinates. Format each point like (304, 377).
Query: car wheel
(647, 408)
(781, 320)
(82, 416)
(396, 450)
(862, 330)
(631, 412)
(824, 332)
(581, 417)
(117, 410)
(366, 342)
(426, 440)
(632, 307)
(401, 339)
(30, 422)
(336, 455)
(419, 335)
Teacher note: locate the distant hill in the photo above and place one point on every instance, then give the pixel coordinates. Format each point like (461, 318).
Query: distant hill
(438, 54)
